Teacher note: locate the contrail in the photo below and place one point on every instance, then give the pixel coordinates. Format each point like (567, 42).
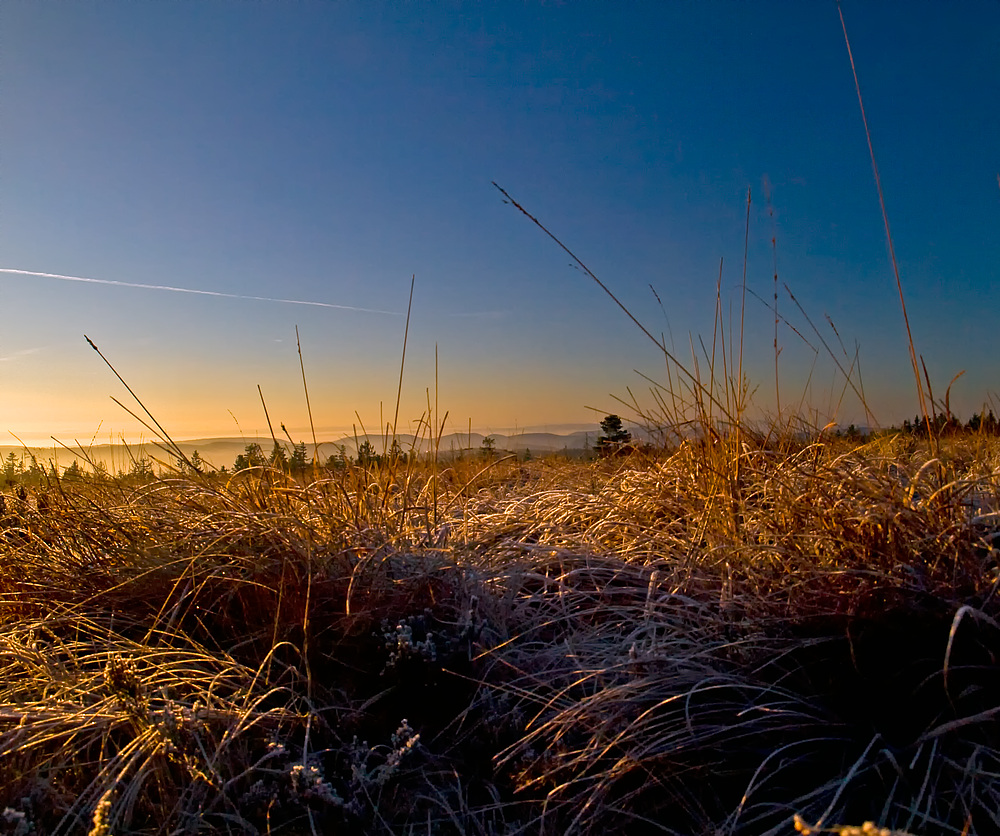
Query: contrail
(192, 290)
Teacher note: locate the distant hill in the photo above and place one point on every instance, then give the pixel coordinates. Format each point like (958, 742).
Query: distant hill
(220, 452)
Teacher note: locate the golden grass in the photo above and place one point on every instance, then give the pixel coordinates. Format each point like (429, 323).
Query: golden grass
(712, 639)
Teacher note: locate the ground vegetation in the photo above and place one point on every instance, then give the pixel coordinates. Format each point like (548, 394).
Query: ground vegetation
(716, 637)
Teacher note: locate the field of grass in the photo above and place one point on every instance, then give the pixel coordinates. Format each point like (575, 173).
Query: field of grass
(715, 638)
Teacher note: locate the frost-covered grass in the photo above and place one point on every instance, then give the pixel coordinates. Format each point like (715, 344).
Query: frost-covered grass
(712, 639)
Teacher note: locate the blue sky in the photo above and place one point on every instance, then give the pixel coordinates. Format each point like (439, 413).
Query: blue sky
(328, 151)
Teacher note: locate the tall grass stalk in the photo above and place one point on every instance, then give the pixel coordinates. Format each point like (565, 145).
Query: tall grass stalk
(888, 234)
(159, 429)
(305, 390)
(680, 367)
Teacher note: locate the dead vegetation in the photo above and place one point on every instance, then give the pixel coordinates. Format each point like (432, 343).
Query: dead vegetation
(715, 639)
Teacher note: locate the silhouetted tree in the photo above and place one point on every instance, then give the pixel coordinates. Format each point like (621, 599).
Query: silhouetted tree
(12, 468)
(197, 462)
(278, 459)
(73, 473)
(194, 463)
(614, 433)
(366, 454)
(299, 460)
(338, 460)
(252, 457)
(35, 471)
(142, 468)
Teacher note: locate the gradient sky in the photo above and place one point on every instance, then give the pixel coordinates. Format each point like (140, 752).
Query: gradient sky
(327, 151)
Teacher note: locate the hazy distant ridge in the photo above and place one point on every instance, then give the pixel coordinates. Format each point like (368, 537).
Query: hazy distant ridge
(223, 451)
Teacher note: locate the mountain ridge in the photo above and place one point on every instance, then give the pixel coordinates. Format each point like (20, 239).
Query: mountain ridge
(222, 451)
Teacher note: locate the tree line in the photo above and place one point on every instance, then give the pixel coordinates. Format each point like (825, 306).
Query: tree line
(941, 424)
(298, 462)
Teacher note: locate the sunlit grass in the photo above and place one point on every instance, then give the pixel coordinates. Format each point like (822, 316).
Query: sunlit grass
(496, 646)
